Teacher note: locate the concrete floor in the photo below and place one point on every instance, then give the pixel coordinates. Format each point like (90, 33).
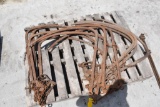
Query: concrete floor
(141, 16)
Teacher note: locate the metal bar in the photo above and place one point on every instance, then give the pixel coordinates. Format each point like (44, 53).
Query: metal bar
(142, 37)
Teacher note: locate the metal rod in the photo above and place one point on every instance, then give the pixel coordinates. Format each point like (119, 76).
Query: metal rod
(142, 37)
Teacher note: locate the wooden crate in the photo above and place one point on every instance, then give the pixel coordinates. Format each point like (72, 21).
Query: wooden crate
(62, 63)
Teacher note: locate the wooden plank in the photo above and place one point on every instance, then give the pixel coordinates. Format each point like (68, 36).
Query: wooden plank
(100, 44)
(143, 66)
(62, 92)
(80, 58)
(107, 17)
(132, 70)
(99, 59)
(88, 49)
(60, 81)
(71, 70)
(96, 17)
(47, 71)
(110, 51)
(123, 73)
(45, 42)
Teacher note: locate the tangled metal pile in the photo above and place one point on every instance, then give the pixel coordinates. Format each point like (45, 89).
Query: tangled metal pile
(102, 77)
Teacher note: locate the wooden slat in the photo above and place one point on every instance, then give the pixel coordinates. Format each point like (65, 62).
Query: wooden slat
(123, 73)
(88, 49)
(47, 71)
(80, 58)
(42, 30)
(46, 68)
(133, 73)
(99, 59)
(143, 66)
(96, 17)
(60, 81)
(107, 17)
(132, 70)
(110, 51)
(70, 69)
(62, 92)
(100, 44)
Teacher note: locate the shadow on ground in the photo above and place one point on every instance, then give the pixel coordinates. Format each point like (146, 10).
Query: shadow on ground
(1, 41)
(115, 99)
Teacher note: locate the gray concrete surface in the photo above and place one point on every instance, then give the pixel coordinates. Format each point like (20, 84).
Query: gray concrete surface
(142, 16)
